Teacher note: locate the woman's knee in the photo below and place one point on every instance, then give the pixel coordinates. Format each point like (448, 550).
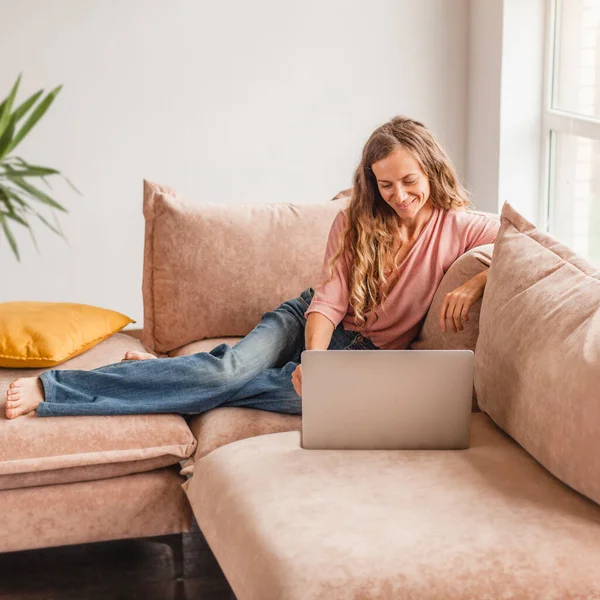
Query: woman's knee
(296, 307)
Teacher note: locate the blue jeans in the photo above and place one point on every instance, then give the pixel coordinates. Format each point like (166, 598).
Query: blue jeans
(254, 373)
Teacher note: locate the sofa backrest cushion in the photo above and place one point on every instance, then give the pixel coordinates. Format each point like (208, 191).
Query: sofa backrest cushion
(212, 270)
(431, 336)
(537, 365)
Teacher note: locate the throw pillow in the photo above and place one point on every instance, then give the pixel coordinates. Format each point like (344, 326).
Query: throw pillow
(45, 334)
(537, 365)
(212, 270)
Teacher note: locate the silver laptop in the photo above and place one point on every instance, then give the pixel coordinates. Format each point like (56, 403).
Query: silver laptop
(386, 399)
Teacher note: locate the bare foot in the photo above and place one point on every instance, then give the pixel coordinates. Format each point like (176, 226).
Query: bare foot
(138, 356)
(23, 396)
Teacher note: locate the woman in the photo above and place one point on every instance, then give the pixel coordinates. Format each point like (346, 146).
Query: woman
(406, 223)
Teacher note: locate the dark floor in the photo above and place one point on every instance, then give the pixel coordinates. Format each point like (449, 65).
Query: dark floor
(119, 570)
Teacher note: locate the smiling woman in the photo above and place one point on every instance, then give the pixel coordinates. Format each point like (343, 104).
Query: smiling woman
(401, 183)
(405, 225)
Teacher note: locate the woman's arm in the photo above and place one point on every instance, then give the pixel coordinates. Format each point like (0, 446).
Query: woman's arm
(456, 305)
(318, 332)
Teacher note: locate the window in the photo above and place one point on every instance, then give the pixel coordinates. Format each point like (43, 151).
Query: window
(572, 126)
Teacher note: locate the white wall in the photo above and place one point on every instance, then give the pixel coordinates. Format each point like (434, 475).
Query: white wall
(227, 102)
(483, 120)
(522, 104)
(505, 100)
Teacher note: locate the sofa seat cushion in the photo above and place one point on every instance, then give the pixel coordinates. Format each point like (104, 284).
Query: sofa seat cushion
(228, 424)
(487, 522)
(42, 451)
(138, 505)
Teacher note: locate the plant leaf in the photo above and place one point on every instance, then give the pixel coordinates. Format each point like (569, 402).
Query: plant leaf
(6, 138)
(5, 115)
(11, 209)
(14, 196)
(15, 217)
(47, 223)
(30, 228)
(32, 171)
(33, 191)
(16, 159)
(35, 116)
(9, 236)
(45, 170)
(23, 108)
(71, 184)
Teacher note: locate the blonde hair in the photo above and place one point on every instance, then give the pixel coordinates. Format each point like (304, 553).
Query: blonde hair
(368, 239)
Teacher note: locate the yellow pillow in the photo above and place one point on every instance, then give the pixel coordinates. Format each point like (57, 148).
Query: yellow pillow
(44, 334)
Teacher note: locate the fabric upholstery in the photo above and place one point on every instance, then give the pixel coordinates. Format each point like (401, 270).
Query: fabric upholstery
(203, 346)
(84, 473)
(212, 270)
(44, 334)
(488, 522)
(54, 450)
(431, 336)
(139, 505)
(225, 425)
(537, 365)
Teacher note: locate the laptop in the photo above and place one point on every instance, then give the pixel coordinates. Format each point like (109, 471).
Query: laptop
(386, 399)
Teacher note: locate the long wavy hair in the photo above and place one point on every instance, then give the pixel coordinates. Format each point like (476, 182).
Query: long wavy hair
(373, 225)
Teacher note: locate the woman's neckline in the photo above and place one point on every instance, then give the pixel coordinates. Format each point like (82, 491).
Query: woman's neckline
(434, 211)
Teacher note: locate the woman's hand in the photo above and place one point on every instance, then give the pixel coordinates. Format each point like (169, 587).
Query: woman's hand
(456, 305)
(297, 380)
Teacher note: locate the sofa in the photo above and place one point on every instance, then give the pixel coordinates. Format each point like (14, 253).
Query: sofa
(516, 515)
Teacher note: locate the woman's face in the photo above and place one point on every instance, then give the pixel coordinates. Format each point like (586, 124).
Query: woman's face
(402, 183)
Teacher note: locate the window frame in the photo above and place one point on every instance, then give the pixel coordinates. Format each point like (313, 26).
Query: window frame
(556, 120)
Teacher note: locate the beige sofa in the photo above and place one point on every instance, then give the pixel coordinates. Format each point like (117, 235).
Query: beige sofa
(511, 517)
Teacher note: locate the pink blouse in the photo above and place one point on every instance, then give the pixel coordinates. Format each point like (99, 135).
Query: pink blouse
(447, 235)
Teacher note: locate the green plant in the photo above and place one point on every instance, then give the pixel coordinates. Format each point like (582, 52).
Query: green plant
(18, 196)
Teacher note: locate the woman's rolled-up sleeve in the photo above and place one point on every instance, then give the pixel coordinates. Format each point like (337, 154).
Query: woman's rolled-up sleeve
(481, 230)
(331, 298)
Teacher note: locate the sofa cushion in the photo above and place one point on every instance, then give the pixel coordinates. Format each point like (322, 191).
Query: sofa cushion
(431, 337)
(212, 270)
(138, 505)
(35, 450)
(45, 334)
(537, 365)
(225, 425)
(487, 522)
(203, 346)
